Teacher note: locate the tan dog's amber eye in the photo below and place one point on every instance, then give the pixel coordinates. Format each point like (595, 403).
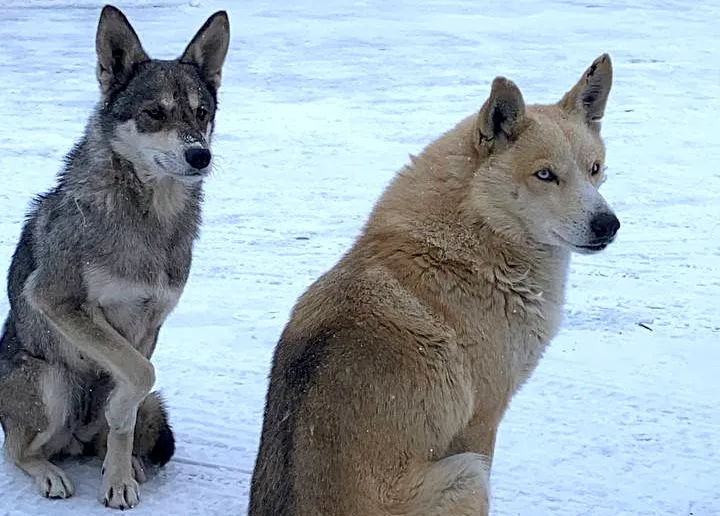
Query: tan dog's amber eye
(595, 169)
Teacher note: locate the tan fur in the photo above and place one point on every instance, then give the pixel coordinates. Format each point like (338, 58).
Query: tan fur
(396, 368)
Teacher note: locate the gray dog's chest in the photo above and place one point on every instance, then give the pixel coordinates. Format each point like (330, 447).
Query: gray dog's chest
(136, 307)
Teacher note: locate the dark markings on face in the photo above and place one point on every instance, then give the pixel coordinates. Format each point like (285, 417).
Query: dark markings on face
(162, 95)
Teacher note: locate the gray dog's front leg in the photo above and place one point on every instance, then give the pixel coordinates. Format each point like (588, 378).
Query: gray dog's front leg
(88, 330)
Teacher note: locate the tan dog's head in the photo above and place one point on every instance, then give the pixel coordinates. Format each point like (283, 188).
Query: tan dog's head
(541, 166)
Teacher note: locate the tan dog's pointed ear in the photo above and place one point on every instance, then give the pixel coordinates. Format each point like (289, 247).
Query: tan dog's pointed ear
(501, 117)
(589, 96)
(118, 49)
(208, 48)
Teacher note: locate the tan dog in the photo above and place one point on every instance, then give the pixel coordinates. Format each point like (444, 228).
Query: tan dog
(394, 372)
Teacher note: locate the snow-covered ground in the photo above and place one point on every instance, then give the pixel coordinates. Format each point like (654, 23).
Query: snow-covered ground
(321, 103)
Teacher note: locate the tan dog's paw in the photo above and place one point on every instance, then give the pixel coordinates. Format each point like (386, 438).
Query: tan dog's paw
(120, 491)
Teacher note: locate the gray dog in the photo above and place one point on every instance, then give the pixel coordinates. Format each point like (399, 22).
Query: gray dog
(102, 260)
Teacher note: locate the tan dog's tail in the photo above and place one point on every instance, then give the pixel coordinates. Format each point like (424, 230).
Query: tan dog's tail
(154, 439)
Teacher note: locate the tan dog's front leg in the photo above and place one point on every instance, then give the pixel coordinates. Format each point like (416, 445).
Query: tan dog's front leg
(88, 330)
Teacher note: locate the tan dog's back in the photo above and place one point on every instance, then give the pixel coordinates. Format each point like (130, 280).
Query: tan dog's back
(394, 372)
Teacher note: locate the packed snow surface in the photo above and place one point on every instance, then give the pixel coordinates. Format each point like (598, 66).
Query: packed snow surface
(321, 103)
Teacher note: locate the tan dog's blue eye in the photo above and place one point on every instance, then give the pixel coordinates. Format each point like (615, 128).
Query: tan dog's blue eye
(595, 169)
(545, 174)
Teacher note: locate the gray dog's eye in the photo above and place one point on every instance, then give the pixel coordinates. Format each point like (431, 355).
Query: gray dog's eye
(155, 113)
(201, 114)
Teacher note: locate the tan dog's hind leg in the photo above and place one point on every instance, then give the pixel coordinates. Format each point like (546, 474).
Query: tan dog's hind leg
(457, 485)
(31, 382)
(87, 329)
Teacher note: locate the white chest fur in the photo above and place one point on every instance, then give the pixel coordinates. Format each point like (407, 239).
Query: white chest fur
(135, 308)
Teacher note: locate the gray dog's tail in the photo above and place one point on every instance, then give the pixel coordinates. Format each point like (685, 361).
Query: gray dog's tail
(154, 439)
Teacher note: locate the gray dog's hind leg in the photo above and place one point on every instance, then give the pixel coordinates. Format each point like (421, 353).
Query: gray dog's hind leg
(34, 403)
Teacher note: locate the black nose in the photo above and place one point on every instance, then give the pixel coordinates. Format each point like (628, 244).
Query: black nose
(605, 225)
(197, 158)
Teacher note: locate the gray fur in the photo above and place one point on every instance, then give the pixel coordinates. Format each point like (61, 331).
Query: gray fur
(103, 258)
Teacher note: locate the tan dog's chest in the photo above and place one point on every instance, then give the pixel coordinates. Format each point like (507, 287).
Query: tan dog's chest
(502, 336)
(516, 348)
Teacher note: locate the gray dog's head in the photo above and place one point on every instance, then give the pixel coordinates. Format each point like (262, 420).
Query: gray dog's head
(158, 114)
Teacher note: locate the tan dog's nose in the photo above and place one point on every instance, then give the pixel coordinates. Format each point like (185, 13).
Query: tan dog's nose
(605, 226)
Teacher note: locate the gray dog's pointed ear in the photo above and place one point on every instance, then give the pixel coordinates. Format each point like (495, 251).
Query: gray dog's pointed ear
(208, 48)
(589, 96)
(118, 49)
(501, 117)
